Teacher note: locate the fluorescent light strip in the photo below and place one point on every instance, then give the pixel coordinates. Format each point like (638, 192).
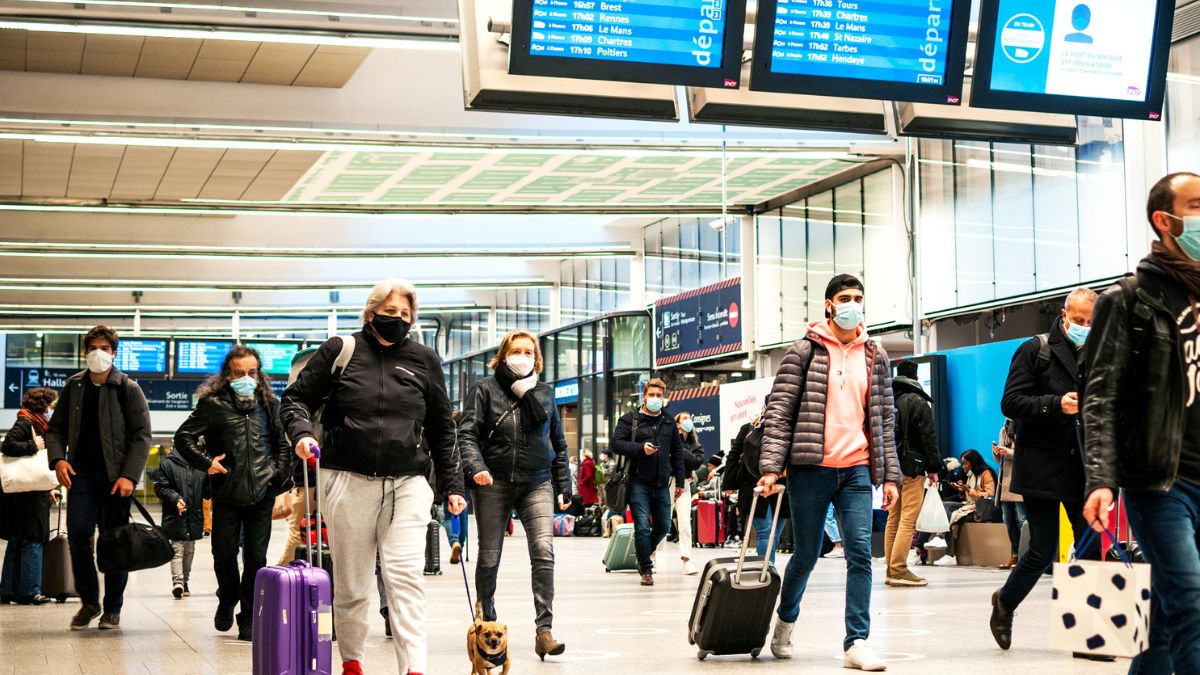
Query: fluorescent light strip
(257, 10)
(102, 285)
(87, 250)
(300, 145)
(440, 209)
(233, 34)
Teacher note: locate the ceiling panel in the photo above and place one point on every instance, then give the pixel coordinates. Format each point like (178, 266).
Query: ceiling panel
(54, 52)
(10, 167)
(331, 66)
(12, 49)
(234, 173)
(140, 173)
(278, 64)
(111, 55)
(167, 58)
(280, 174)
(93, 171)
(223, 61)
(46, 168)
(189, 170)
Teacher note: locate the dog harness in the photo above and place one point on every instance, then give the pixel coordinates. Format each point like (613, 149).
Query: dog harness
(496, 660)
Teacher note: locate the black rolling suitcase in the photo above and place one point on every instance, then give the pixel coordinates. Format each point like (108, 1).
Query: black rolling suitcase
(433, 549)
(58, 579)
(735, 602)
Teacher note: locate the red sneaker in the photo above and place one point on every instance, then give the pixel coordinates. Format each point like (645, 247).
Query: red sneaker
(351, 668)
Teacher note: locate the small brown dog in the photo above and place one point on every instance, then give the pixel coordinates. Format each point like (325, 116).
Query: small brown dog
(487, 645)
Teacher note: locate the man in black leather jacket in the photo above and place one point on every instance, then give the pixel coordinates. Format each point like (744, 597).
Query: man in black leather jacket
(248, 459)
(1142, 419)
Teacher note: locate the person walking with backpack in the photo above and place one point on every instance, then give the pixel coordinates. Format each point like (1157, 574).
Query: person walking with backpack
(182, 491)
(1141, 419)
(513, 447)
(919, 464)
(25, 516)
(693, 458)
(829, 421)
(650, 445)
(98, 444)
(386, 421)
(1041, 394)
(249, 461)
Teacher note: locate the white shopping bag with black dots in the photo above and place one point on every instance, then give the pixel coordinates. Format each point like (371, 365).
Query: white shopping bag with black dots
(1101, 608)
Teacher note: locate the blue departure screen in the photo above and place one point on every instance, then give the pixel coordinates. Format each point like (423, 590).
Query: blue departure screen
(141, 356)
(888, 40)
(197, 357)
(1094, 49)
(662, 32)
(276, 356)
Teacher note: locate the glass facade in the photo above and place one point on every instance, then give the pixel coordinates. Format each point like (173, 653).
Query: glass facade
(687, 253)
(590, 287)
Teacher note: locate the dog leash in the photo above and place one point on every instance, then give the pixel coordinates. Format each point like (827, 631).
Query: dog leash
(463, 566)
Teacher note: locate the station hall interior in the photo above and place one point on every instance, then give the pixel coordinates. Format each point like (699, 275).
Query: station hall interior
(197, 174)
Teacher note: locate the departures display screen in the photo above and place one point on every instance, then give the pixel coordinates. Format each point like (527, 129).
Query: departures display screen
(682, 42)
(908, 50)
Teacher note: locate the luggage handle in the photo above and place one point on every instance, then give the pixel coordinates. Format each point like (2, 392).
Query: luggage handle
(316, 451)
(763, 575)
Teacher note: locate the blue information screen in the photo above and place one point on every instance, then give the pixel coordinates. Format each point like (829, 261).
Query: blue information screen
(141, 356)
(200, 357)
(276, 356)
(663, 32)
(1095, 49)
(887, 40)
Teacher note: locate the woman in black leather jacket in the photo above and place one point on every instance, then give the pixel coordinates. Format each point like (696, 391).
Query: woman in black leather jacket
(248, 459)
(512, 444)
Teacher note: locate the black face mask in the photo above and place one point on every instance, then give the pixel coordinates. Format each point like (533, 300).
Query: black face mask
(390, 328)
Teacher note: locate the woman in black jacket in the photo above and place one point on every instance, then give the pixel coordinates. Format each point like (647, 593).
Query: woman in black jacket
(26, 515)
(512, 445)
(248, 459)
(693, 458)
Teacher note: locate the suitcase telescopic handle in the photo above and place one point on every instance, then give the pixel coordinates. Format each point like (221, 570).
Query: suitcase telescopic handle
(762, 580)
(316, 451)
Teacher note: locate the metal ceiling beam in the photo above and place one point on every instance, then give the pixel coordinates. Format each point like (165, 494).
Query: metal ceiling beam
(174, 208)
(60, 249)
(195, 285)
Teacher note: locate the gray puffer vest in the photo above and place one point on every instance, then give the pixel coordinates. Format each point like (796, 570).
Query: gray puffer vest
(794, 422)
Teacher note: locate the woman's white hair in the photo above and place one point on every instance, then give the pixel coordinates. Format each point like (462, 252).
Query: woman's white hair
(384, 289)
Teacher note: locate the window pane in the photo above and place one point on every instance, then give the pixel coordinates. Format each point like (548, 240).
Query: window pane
(1100, 163)
(1012, 175)
(794, 274)
(973, 222)
(23, 350)
(770, 320)
(1056, 224)
(820, 256)
(568, 354)
(631, 342)
(938, 269)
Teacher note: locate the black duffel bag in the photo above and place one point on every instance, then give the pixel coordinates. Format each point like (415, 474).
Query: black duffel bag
(133, 546)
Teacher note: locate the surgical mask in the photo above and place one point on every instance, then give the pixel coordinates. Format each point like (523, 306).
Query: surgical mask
(655, 404)
(688, 426)
(848, 315)
(521, 366)
(1189, 240)
(99, 361)
(244, 386)
(391, 328)
(1077, 334)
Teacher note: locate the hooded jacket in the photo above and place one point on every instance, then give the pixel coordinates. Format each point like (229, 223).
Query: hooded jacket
(174, 481)
(915, 434)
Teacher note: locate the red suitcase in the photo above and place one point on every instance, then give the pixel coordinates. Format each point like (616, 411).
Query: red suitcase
(710, 522)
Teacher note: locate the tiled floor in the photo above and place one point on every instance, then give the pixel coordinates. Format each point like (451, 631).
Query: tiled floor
(610, 624)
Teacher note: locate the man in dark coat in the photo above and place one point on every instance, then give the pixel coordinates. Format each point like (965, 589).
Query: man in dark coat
(916, 441)
(1041, 396)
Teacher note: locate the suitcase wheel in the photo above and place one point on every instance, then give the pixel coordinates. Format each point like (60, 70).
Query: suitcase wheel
(702, 654)
(754, 654)
(61, 598)
(607, 571)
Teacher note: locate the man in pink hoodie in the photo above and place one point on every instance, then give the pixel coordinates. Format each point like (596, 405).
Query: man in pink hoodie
(830, 422)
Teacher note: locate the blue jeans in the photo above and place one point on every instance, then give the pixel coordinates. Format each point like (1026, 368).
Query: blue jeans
(810, 490)
(1167, 525)
(89, 496)
(22, 576)
(651, 508)
(762, 532)
(1014, 518)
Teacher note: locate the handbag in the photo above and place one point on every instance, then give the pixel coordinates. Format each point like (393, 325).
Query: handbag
(27, 474)
(932, 518)
(133, 546)
(1100, 608)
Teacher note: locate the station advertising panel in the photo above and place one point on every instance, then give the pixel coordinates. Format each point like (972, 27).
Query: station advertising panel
(695, 43)
(899, 50)
(1094, 57)
(699, 324)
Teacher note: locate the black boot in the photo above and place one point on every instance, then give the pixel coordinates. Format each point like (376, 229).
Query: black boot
(223, 620)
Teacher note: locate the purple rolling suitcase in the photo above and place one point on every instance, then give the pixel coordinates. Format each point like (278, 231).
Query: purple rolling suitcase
(293, 614)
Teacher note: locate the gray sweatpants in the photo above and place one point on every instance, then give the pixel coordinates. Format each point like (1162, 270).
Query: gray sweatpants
(181, 564)
(384, 516)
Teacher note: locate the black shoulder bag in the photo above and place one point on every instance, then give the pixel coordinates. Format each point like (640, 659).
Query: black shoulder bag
(133, 546)
(616, 483)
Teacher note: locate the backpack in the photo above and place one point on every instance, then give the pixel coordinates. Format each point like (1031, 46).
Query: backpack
(752, 446)
(693, 459)
(301, 359)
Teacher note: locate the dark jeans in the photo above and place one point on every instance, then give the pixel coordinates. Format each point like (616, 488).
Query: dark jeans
(535, 508)
(810, 491)
(1167, 525)
(1014, 518)
(651, 509)
(88, 498)
(1042, 516)
(251, 526)
(22, 575)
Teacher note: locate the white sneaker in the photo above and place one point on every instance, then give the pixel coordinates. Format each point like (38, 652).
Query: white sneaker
(837, 552)
(861, 657)
(914, 558)
(936, 542)
(946, 561)
(781, 639)
(689, 569)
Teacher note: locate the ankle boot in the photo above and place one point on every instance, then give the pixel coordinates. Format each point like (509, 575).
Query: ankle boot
(546, 644)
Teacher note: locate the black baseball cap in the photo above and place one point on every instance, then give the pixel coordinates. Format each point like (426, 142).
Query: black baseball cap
(840, 283)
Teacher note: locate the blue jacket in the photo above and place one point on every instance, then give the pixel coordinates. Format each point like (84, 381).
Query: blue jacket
(656, 469)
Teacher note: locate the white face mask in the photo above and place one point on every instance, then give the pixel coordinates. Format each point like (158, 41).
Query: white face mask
(522, 366)
(99, 361)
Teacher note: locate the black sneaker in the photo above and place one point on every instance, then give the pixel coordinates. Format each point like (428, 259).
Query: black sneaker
(223, 620)
(85, 616)
(109, 621)
(186, 591)
(246, 633)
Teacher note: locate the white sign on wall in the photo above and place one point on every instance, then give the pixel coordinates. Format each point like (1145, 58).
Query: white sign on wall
(741, 402)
